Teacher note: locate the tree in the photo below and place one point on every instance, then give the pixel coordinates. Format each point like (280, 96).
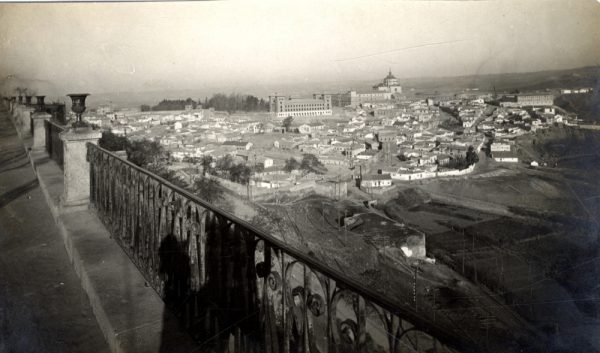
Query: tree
(145, 152)
(168, 174)
(458, 162)
(235, 172)
(311, 163)
(240, 173)
(287, 123)
(258, 168)
(245, 174)
(471, 156)
(113, 142)
(291, 164)
(224, 164)
(207, 164)
(208, 189)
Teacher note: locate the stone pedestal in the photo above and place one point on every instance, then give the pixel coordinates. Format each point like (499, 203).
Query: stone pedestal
(16, 113)
(39, 131)
(76, 167)
(26, 123)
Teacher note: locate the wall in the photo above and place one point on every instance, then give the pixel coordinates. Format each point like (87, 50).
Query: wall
(428, 175)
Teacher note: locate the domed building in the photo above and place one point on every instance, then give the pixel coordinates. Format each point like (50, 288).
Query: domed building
(385, 92)
(389, 84)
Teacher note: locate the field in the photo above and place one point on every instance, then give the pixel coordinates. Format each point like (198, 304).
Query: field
(368, 251)
(529, 236)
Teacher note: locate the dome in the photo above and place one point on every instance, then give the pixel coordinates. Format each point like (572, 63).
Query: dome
(390, 76)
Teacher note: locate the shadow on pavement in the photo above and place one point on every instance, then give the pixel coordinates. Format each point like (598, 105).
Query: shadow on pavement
(13, 194)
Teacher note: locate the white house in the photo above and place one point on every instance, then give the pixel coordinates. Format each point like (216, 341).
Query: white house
(500, 147)
(505, 157)
(239, 145)
(310, 128)
(265, 161)
(376, 181)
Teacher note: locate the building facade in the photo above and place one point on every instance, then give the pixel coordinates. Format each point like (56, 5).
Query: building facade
(387, 90)
(525, 100)
(388, 84)
(283, 106)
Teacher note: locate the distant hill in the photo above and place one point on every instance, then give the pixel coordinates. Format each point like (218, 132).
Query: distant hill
(586, 106)
(529, 81)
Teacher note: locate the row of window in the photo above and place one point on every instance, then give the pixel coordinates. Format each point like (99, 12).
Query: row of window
(311, 113)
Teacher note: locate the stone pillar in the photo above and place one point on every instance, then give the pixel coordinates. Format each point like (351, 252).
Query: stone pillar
(16, 113)
(76, 167)
(39, 130)
(25, 118)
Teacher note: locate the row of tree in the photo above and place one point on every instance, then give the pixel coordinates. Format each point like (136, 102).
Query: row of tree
(170, 104)
(462, 162)
(236, 102)
(220, 101)
(226, 168)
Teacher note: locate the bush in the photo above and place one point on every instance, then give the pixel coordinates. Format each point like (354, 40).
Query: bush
(112, 142)
(208, 189)
(145, 152)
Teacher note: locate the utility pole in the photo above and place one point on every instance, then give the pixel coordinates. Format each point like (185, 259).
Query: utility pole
(530, 289)
(474, 259)
(345, 226)
(415, 287)
(463, 252)
(434, 305)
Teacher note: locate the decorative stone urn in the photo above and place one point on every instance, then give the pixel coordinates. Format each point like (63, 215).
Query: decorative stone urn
(40, 103)
(78, 107)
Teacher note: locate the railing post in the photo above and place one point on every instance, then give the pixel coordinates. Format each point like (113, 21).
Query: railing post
(25, 119)
(16, 114)
(76, 167)
(39, 130)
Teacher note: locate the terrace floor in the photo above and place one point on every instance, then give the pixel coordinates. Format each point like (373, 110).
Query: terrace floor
(43, 307)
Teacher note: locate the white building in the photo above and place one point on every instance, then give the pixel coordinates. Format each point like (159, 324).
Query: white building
(505, 157)
(283, 106)
(376, 181)
(500, 147)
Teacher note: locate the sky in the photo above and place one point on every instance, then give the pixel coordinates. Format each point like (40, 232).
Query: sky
(114, 47)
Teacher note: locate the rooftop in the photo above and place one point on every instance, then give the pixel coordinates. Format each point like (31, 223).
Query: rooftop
(304, 101)
(377, 177)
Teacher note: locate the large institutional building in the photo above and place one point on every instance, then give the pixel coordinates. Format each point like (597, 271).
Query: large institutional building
(524, 100)
(283, 106)
(387, 90)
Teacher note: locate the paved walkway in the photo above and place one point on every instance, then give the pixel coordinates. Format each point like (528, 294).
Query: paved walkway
(42, 305)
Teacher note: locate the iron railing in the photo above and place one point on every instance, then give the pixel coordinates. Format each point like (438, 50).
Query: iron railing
(238, 288)
(54, 145)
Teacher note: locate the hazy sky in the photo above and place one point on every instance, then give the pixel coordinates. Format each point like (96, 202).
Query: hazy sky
(151, 46)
